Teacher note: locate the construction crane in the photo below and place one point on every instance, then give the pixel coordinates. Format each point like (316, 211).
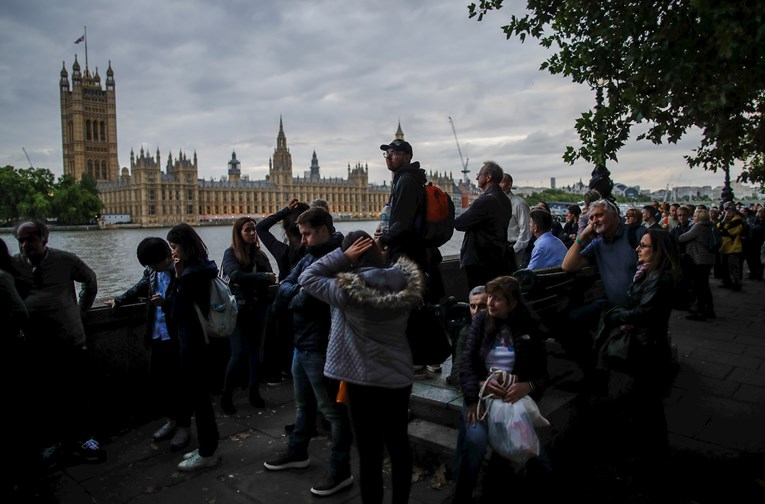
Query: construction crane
(465, 170)
(27, 155)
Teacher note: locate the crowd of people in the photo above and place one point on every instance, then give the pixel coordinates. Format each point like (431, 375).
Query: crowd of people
(337, 325)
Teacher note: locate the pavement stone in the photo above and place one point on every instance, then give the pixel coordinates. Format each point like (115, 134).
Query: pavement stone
(715, 415)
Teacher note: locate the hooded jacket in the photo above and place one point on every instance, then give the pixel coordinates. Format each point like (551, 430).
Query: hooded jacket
(407, 203)
(370, 309)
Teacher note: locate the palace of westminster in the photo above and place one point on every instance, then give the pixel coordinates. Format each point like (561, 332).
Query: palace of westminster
(146, 195)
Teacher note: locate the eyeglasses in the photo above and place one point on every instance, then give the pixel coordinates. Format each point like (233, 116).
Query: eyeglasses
(389, 154)
(643, 245)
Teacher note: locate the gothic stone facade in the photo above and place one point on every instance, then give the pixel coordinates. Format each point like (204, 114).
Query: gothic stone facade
(153, 197)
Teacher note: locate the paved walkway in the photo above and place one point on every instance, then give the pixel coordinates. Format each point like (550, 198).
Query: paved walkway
(715, 413)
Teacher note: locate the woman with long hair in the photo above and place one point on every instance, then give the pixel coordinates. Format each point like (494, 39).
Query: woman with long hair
(507, 337)
(191, 286)
(644, 369)
(249, 273)
(368, 349)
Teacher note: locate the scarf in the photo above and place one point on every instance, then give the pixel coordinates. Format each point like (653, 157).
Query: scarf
(641, 271)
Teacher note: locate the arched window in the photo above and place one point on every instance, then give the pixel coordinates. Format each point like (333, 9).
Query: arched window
(87, 129)
(90, 168)
(95, 130)
(70, 129)
(103, 168)
(103, 136)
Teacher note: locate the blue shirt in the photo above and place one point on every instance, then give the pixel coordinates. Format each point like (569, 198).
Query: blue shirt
(160, 325)
(616, 261)
(548, 252)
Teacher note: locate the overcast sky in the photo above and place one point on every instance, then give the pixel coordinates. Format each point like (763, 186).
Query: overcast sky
(216, 76)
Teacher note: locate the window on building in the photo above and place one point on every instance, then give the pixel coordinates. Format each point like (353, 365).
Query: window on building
(152, 210)
(87, 129)
(90, 168)
(152, 194)
(190, 194)
(103, 136)
(190, 209)
(104, 173)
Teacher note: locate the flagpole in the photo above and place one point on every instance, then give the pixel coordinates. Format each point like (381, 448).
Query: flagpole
(86, 47)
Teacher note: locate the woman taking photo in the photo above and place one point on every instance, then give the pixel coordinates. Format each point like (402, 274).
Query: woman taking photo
(505, 337)
(368, 349)
(278, 345)
(249, 273)
(191, 286)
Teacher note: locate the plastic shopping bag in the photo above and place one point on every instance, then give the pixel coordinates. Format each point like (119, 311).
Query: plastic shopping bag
(511, 429)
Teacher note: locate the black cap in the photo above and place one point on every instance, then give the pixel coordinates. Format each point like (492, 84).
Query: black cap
(398, 145)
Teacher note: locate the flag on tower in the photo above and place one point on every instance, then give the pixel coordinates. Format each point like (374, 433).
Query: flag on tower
(81, 39)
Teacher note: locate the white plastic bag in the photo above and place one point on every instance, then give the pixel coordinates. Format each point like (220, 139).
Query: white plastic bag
(511, 429)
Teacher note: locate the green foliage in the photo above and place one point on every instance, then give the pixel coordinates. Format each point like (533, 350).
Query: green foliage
(551, 196)
(31, 193)
(672, 64)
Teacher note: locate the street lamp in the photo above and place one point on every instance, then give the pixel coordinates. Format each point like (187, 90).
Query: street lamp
(600, 179)
(727, 191)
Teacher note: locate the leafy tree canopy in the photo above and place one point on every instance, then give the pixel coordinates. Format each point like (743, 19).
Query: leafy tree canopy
(33, 193)
(671, 64)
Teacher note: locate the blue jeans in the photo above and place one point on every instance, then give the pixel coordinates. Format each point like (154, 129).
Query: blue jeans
(313, 390)
(472, 442)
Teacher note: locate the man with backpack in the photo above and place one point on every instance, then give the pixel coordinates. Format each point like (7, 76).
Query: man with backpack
(404, 235)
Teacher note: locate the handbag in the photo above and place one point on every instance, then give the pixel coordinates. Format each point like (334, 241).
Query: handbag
(511, 426)
(427, 336)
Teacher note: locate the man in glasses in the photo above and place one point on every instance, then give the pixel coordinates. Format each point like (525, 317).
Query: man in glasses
(407, 216)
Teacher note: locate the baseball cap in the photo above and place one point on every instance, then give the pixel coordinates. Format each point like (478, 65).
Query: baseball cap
(398, 145)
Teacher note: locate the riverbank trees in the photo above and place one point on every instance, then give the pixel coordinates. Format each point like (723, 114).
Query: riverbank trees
(34, 193)
(671, 65)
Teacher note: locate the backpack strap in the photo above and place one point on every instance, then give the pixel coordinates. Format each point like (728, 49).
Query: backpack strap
(202, 322)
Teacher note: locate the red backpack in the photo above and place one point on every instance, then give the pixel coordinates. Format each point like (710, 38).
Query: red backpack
(439, 216)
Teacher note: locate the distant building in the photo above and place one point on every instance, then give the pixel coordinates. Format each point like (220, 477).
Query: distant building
(145, 194)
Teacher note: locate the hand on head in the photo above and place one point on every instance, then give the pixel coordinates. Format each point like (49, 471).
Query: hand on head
(358, 249)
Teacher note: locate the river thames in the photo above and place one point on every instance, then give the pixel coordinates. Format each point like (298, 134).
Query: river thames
(111, 253)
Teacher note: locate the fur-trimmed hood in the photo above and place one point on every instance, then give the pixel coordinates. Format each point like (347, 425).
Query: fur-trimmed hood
(400, 286)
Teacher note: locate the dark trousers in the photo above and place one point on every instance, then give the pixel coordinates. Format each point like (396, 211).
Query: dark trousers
(165, 373)
(197, 400)
(380, 417)
(245, 347)
(63, 390)
(700, 282)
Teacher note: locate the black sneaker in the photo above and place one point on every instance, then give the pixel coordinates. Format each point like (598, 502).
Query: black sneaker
(332, 484)
(90, 451)
(51, 456)
(286, 461)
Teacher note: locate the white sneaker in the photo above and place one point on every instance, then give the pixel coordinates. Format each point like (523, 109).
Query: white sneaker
(196, 462)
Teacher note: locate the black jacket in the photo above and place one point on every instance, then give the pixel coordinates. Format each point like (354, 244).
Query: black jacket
(530, 354)
(311, 318)
(144, 288)
(407, 202)
(485, 225)
(249, 283)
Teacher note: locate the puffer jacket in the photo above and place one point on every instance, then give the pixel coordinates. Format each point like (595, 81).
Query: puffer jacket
(730, 230)
(370, 308)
